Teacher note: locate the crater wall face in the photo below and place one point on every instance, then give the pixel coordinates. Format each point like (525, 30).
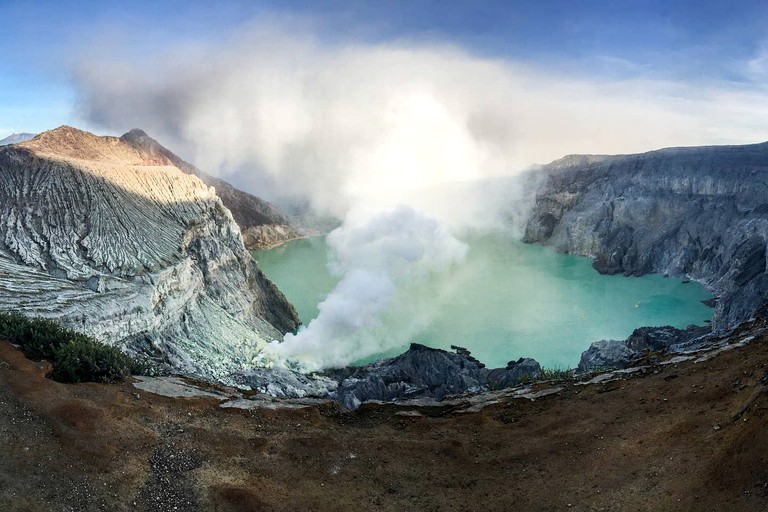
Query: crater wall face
(122, 244)
(697, 212)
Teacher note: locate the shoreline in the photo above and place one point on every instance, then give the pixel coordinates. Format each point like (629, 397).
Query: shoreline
(278, 244)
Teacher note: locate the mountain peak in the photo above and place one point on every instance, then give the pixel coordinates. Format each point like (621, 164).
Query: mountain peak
(64, 131)
(68, 143)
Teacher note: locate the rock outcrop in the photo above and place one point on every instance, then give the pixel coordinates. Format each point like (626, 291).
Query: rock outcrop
(612, 354)
(420, 372)
(261, 224)
(424, 372)
(114, 239)
(699, 212)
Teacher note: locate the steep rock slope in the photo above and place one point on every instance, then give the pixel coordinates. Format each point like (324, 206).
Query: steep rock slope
(261, 224)
(120, 243)
(700, 212)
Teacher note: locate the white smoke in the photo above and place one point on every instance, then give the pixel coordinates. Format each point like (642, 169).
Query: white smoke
(360, 129)
(382, 262)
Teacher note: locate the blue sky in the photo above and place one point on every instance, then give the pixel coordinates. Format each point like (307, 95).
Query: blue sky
(689, 41)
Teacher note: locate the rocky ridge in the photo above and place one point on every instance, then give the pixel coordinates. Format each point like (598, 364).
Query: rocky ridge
(261, 223)
(113, 239)
(679, 436)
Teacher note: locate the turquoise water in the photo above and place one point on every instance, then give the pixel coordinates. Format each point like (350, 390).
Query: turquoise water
(510, 300)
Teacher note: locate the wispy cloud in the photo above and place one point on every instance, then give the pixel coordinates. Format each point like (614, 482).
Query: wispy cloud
(757, 67)
(344, 122)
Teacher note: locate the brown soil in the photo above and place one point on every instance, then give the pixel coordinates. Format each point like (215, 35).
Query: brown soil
(686, 437)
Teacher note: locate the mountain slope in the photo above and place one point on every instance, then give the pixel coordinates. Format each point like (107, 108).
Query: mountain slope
(261, 223)
(15, 138)
(700, 212)
(122, 244)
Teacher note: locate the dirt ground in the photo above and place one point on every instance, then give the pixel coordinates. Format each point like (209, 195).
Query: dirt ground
(692, 436)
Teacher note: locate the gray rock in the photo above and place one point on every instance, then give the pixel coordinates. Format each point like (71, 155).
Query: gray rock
(613, 354)
(699, 212)
(419, 372)
(606, 354)
(175, 387)
(425, 373)
(282, 382)
(524, 369)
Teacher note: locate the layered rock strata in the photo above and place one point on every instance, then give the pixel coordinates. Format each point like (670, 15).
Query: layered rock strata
(113, 239)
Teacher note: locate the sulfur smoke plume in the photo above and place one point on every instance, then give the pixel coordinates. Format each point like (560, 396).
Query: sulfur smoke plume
(382, 263)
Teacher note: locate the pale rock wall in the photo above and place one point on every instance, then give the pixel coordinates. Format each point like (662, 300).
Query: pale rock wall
(133, 251)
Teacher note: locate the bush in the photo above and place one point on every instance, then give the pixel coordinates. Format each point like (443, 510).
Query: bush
(75, 356)
(88, 360)
(556, 374)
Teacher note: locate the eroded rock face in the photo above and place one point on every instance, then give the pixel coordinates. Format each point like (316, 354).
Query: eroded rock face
(696, 212)
(120, 243)
(262, 225)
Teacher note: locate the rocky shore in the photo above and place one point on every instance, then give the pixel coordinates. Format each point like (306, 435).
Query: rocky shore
(420, 372)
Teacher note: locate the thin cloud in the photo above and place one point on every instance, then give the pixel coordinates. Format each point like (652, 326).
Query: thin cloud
(340, 122)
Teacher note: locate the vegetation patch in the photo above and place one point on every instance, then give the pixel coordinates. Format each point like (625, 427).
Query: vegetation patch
(556, 374)
(75, 356)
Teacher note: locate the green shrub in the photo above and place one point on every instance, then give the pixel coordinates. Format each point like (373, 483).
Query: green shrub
(75, 356)
(88, 360)
(556, 374)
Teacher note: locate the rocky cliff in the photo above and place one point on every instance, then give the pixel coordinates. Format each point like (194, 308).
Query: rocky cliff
(261, 224)
(113, 238)
(699, 212)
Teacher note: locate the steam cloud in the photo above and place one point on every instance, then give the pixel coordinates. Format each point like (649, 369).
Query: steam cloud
(382, 262)
(360, 129)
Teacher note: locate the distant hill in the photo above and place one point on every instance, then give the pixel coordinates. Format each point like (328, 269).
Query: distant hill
(15, 138)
